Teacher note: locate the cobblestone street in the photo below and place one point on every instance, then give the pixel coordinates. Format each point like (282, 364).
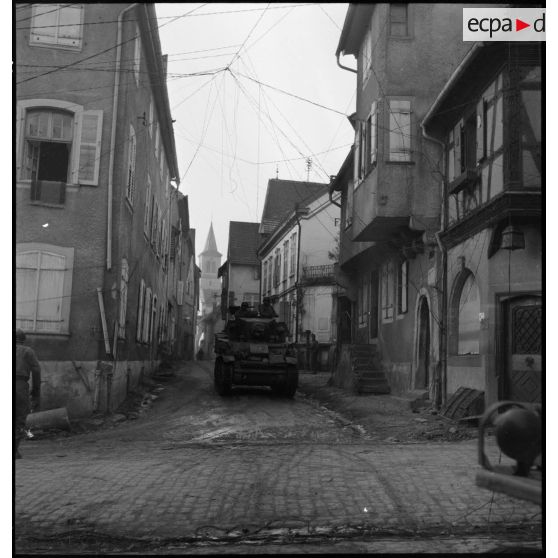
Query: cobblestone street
(197, 467)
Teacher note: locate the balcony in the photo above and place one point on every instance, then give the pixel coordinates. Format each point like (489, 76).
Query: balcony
(318, 274)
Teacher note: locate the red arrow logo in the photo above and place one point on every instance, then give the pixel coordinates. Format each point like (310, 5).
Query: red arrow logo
(519, 25)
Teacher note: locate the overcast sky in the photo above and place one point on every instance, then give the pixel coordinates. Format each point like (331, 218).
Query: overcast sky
(233, 134)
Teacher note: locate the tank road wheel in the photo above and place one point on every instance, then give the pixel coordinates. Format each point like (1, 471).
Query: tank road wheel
(222, 377)
(291, 382)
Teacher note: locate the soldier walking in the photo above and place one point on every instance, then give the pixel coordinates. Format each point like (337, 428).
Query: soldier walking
(27, 366)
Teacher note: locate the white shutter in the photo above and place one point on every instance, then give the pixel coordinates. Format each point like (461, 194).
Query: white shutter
(356, 166)
(90, 147)
(74, 169)
(179, 292)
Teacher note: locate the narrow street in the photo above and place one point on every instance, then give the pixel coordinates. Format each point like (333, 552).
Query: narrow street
(254, 473)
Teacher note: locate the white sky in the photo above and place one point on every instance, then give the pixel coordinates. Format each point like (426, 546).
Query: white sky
(225, 126)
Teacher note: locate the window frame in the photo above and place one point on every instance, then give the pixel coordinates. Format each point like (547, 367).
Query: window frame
(140, 313)
(74, 179)
(463, 280)
(387, 294)
(124, 275)
(406, 20)
(131, 166)
(402, 288)
(56, 44)
(137, 56)
(284, 270)
(366, 55)
(293, 254)
(392, 111)
(147, 210)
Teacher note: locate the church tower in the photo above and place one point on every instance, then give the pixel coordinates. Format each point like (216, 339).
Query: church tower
(210, 284)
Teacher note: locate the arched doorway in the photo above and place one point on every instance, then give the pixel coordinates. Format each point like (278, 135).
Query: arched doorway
(422, 378)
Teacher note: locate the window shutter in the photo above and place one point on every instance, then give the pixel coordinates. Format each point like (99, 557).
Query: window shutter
(90, 147)
(123, 299)
(153, 329)
(141, 300)
(457, 149)
(131, 175)
(373, 133)
(146, 316)
(137, 56)
(356, 168)
(363, 155)
(20, 121)
(179, 292)
(147, 211)
(481, 147)
(399, 130)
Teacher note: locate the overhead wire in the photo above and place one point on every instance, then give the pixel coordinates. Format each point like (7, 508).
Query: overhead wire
(279, 7)
(94, 55)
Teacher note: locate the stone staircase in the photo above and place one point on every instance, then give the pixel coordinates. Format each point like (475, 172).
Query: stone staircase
(366, 367)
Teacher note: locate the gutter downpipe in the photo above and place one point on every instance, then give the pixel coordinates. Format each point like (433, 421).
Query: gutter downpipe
(441, 388)
(113, 132)
(344, 67)
(297, 273)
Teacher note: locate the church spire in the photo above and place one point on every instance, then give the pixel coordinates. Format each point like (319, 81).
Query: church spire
(210, 244)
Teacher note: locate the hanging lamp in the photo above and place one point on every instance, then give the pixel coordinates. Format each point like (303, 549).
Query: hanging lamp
(512, 238)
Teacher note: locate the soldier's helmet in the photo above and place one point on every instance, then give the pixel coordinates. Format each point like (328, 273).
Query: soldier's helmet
(19, 336)
(266, 300)
(244, 305)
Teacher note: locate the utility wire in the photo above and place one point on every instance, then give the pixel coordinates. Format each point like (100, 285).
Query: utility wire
(290, 94)
(76, 62)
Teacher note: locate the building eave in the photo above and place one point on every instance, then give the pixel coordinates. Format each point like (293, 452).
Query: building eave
(455, 77)
(354, 28)
(147, 21)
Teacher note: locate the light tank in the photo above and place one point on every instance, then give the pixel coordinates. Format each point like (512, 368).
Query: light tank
(253, 351)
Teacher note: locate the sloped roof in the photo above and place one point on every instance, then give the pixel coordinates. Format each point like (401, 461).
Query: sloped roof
(244, 239)
(210, 244)
(281, 198)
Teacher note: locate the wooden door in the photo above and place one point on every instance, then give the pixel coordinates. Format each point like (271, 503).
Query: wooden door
(523, 346)
(422, 377)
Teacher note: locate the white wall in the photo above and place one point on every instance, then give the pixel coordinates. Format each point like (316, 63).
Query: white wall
(320, 229)
(241, 281)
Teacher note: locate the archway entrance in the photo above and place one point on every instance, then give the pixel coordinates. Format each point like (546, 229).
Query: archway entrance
(422, 379)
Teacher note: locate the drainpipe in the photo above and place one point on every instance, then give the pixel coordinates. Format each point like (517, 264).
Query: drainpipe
(297, 274)
(345, 67)
(441, 379)
(113, 132)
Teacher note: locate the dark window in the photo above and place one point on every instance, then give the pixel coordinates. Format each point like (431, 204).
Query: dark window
(469, 143)
(48, 142)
